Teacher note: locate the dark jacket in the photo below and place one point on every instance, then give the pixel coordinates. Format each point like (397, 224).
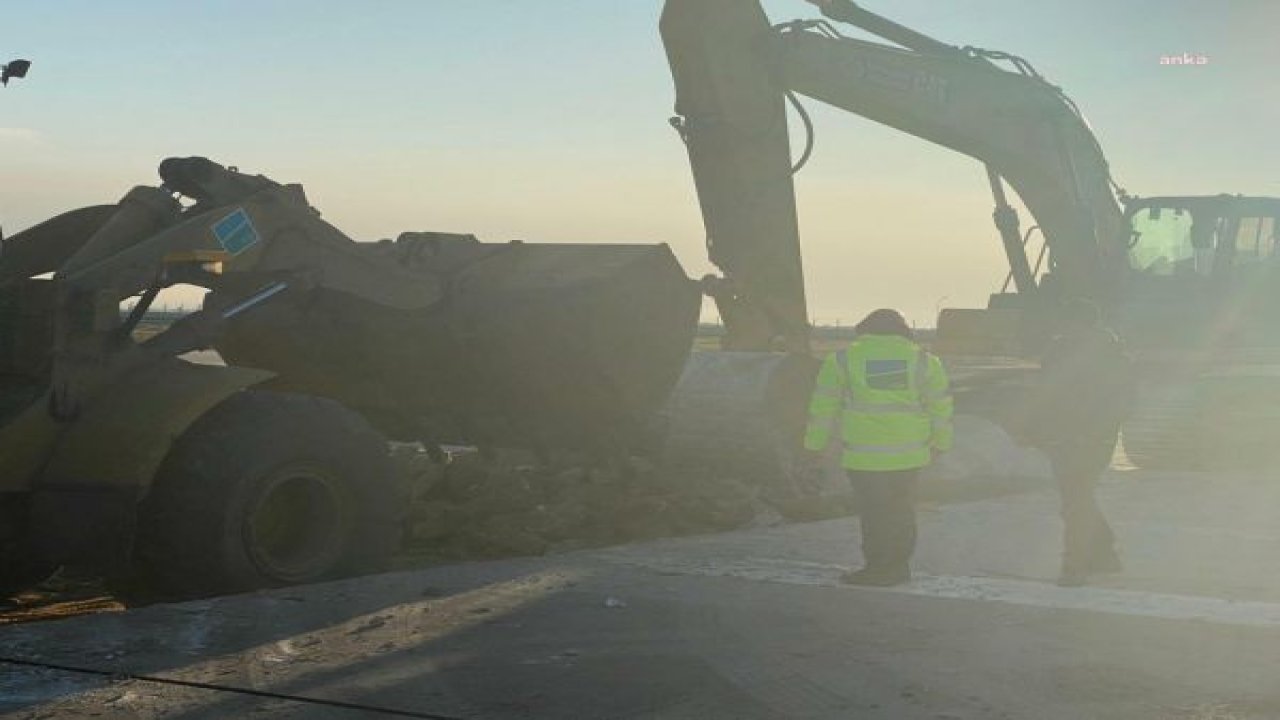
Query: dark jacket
(1086, 388)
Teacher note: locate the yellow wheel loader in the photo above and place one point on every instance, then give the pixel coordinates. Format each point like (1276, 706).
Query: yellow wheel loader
(273, 469)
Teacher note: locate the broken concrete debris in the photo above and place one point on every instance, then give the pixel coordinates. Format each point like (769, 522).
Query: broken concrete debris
(481, 507)
(476, 507)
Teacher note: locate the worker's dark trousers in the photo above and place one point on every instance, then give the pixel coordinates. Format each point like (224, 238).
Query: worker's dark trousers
(1087, 538)
(886, 504)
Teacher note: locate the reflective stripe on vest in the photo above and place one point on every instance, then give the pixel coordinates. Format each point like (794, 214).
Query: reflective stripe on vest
(887, 408)
(899, 449)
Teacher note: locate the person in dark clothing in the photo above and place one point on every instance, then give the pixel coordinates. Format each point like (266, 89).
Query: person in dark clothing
(1086, 391)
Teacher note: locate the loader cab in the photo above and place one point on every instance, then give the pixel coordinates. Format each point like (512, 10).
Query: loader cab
(1204, 271)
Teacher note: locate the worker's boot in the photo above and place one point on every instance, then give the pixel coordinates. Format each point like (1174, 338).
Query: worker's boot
(1076, 566)
(1073, 577)
(1075, 574)
(877, 577)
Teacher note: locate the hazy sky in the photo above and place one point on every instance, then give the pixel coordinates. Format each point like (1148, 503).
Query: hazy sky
(546, 120)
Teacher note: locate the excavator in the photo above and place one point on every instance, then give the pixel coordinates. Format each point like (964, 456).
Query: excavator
(1188, 281)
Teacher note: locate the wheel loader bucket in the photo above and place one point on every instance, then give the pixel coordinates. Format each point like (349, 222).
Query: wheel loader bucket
(533, 345)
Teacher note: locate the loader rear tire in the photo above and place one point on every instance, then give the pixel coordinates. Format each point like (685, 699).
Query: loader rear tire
(265, 490)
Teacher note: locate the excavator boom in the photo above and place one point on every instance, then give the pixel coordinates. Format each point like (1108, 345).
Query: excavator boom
(1019, 125)
(733, 71)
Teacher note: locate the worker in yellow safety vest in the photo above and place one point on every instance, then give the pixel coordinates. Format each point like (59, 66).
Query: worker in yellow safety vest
(889, 400)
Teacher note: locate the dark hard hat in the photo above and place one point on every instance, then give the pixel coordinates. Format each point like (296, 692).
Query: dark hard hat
(884, 321)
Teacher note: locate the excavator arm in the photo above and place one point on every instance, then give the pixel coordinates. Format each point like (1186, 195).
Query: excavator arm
(733, 71)
(731, 116)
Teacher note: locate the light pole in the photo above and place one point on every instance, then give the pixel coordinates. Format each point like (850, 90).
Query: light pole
(14, 69)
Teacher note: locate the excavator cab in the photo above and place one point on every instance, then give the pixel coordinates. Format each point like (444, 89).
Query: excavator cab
(1204, 271)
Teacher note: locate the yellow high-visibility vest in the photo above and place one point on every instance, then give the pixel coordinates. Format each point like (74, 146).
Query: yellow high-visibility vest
(890, 400)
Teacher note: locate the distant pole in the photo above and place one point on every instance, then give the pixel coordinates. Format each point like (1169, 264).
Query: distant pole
(937, 308)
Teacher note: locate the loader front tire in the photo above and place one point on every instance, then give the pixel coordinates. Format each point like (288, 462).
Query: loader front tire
(265, 490)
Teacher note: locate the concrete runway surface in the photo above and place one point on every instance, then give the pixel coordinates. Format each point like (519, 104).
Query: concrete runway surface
(748, 625)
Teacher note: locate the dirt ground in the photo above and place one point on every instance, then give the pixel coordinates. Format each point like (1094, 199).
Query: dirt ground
(746, 624)
(473, 508)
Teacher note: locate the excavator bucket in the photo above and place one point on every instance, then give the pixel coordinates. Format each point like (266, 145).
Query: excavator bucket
(740, 415)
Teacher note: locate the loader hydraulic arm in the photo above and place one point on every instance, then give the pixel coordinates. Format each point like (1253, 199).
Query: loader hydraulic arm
(246, 237)
(1021, 127)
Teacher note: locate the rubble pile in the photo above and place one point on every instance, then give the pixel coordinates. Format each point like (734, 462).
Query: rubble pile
(476, 507)
(473, 506)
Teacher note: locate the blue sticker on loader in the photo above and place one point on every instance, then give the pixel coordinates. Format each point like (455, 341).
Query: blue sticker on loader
(235, 232)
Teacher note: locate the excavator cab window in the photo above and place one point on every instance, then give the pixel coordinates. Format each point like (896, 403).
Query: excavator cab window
(1255, 241)
(1182, 270)
(1168, 243)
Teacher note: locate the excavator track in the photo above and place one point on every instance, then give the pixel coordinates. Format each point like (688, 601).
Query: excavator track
(1161, 432)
